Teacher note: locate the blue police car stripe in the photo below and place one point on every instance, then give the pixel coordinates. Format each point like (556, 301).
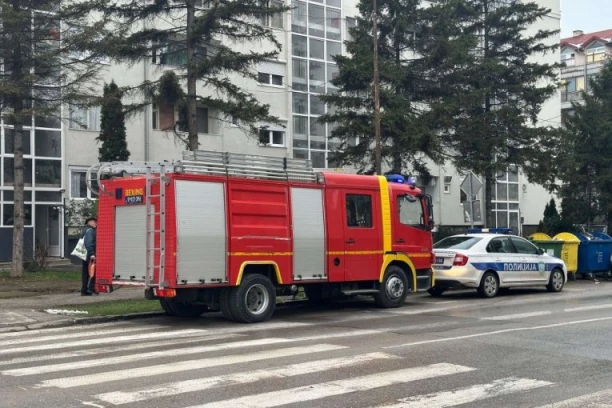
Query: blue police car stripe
(516, 266)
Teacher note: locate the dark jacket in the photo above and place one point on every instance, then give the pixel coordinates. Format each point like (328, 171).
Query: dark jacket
(89, 235)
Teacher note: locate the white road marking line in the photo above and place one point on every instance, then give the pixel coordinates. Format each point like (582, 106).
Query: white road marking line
(117, 349)
(339, 387)
(184, 341)
(466, 395)
(492, 333)
(419, 311)
(107, 340)
(109, 332)
(595, 400)
(179, 352)
(79, 327)
(592, 307)
(201, 384)
(517, 316)
(99, 378)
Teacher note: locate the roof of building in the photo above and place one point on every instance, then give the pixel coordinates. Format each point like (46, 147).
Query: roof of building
(584, 39)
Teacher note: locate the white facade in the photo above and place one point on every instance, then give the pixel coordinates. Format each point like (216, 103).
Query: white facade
(309, 35)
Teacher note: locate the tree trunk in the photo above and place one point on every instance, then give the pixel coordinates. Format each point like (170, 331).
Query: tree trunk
(192, 110)
(489, 192)
(18, 182)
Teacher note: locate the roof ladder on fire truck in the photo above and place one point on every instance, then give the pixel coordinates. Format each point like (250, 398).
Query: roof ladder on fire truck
(155, 216)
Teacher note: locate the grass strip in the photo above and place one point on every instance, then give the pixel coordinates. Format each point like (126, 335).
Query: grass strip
(115, 307)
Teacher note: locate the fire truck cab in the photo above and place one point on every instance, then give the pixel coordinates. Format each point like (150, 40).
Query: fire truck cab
(222, 231)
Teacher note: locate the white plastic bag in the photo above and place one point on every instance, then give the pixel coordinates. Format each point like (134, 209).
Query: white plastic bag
(79, 250)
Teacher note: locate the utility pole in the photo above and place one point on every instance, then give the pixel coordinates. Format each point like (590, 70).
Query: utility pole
(376, 87)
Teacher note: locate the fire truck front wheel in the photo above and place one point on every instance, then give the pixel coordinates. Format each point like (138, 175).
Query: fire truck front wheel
(393, 288)
(254, 300)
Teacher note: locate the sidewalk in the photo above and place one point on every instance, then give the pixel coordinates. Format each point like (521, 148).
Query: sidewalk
(27, 313)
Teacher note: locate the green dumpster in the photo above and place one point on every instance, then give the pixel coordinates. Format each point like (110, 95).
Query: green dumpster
(551, 246)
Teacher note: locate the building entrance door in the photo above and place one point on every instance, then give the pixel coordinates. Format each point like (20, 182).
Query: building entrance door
(47, 227)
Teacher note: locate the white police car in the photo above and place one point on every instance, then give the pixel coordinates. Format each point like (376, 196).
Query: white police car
(490, 261)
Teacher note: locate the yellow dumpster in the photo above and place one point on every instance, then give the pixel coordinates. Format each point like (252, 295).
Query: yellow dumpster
(569, 251)
(540, 236)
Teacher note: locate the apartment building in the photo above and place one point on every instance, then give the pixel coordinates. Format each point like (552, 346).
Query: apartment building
(58, 153)
(582, 55)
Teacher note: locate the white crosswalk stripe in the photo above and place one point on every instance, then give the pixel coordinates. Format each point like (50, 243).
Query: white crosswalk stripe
(332, 388)
(473, 393)
(599, 399)
(181, 366)
(201, 384)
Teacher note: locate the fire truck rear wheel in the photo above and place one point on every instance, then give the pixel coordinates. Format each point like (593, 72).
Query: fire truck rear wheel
(393, 288)
(254, 300)
(182, 309)
(224, 304)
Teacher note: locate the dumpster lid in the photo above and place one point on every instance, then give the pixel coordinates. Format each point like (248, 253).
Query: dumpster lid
(489, 230)
(540, 236)
(567, 237)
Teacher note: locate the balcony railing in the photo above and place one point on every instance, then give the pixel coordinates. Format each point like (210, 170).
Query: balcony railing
(571, 96)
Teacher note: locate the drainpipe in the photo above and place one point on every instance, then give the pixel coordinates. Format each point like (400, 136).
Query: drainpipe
(148, 112)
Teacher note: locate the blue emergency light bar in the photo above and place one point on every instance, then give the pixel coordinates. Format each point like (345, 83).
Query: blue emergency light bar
(489, 231)
(398, 178)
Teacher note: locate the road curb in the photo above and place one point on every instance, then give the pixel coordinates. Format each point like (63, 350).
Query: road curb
(103, 319)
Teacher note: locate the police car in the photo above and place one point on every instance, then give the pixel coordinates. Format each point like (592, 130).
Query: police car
(488, 261)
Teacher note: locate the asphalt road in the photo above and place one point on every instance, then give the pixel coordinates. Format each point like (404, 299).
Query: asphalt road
(527, 348)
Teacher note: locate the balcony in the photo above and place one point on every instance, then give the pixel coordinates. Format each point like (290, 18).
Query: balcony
(571, 96)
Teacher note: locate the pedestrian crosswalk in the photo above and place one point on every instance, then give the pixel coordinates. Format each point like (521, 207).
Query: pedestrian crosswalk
(266, 365)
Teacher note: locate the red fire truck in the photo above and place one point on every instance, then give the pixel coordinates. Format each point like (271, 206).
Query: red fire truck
(222, 231)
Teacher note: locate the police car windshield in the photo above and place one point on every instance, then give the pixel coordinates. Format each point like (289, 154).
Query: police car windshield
(456, 243)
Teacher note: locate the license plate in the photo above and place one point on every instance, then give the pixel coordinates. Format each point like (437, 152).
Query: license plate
(439, 261)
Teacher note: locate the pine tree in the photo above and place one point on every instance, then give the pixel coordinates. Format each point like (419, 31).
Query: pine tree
(406, 138)
(586, 149)
(112, 126)
(42, 69)
(210, 44)
(488, 116)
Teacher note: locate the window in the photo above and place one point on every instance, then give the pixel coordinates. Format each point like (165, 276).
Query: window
(162, 116)
(85, 118)
(9, 167)
(595, 52)
(463, 242)
(202, 120)
(524, 247)
(333, 24)
(300, 75)
(78, 186)
(269, 79)
(8, 214)
(299, 45)
(410, 210)
(48, 143)
(48, 173)
(350, 23)
(299, 14)
(333, 49)
(500, 246)
(359, 210)
(274, 138)
(9, 141)
(447, 185)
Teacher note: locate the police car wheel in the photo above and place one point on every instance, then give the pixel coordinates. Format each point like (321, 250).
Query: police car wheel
(489, 285)
(393, 288)
(556, 281)
(254, 300)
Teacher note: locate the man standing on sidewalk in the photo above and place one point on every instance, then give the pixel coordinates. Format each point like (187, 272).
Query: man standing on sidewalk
(89, 236)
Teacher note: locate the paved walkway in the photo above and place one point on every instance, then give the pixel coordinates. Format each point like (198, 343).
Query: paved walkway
(28, 312)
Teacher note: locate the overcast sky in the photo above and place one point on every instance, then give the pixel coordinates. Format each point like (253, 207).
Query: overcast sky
(585, 15)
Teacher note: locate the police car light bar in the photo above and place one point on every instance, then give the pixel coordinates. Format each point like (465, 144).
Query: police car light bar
(489, 231)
